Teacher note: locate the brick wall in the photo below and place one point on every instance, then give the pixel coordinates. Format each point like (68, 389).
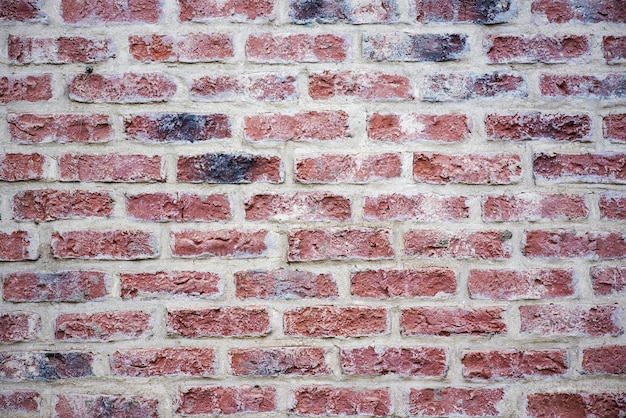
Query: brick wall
(313, 207)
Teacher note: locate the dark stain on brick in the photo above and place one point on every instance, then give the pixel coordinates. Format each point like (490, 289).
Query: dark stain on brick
(320, 11)
(488, 11)
(187, 127)
(438, 48)
(54, 366)
(219, 168)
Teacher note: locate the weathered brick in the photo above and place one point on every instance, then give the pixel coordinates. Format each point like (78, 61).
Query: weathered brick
(176, 127)
(19, 402)
(513, 364)
(171, 285)
(293, 48)
(219, 322)
(192, 47)
(230, 10)
(114, 406)
(458, 244)
(533, 207)
(343, 11)
(610, 359)
(28, 128)
(103, 12)
(251, 88)
(410, 127)
(614, 48)
(19, 326)
(66, 286)
(467, 169)
(581, 168)
(465, 86)
(560, 243)
(601, 86)
(418, 361)
(18, 246)
(27, 11)
(105, 245)
(50, 205)
(111, 168)
(526, 49)
(575, 404)
(608, 280)
(121, 88)
(226, 400)
(174, 361)
(614, 127)
(319, 244)
(220, 243)
(536, 125)
(181, 207)
(320, 126)
(348, 168)
(420, 208)
(382, 284)
(414, 47)
(446, 321)
(301, 206)
(589, 11)
(449, 11)
(62, 50)
(366, 86)
(327, 321)
(575, 321)
(22, 167)
(284, 284)
(474, 402)
(508, 284)
(612, 206)
(30, 88)
(47, 366)
(282, 361)
(230, 168)
(103, 326)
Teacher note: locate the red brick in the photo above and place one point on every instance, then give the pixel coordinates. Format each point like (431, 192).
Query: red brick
(62, 50)
(50, 205)
(333, 11)
(505, 284)
(414, 47)
(284, 284)
(446, 321)
(103, 326)
(18, 246)
(410, 127)
(253, 88)
(608, 280)
(28, 11)
(226, 400)
(230, 168)
(67, 286)
(327, 400)
(382, 284)
(282, 361)
(464, 86)
(111, 168)
(467, 169)
(121, 88)
(294, 48)
(572, 321)
(175, 361)
(603, 86)
(114, 406)
(367, 86)
(458, 244)
(170, 285)
(230, 10)
(319, 244)
(533, 207)
(581, 168)
(474, 402)
(327, 321)
(19, 326)
(176, 127)
(513, 364)
(219, 322)
(28, 128)
(105, 245)
(485, 12)
(525, 49)
(576, 405)
(17, 402)
(421, 208)
(345, 168)
(191, 47)
(589, 11)
(22, 167)
(419, 361)
(301, 206)
(612, 206)
(219, 243)
(535, 125)
(30, 88)
(561, 243)
(614, 127)
(609, 359)
(319, 126)
(614, 48)
(46, 366)
(88, 13)
(179, 207)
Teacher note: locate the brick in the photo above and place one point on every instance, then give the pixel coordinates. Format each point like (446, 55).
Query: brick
(61, 50)
(610, 359)
(467, 169)
(297, 48)
(533, 207)
(410, 127)
(480, 245)
(30, 88)
(581, 168)
(444, 321)
(171, 285)
(121, 88)
(224, 168)
(571, 321)
(87, 13)
(327, 400)
(465, 86)
(449, 11)
(378, 361)
(27, 11)
(226, 400)
(508, 284)
(282, 361)
(575, 404)
(284, 284)
(111, 168)
(612, 206)
(19, 402)
(22, 167)
(348, 168)
(373, 85)
(414, 47)
(231, 10)
(590, 11)
(192, 47)
(19, 326)
(103, 326)
(474, 402)
(614, 127)
(421, 208)
(105, 245)
(219, 322)
(343, 11)
(177, 127)
(560, 243)
(252, 88)
(51, 205)
(45, 366)
(65, 286)
(301, 206)
(319, 126)
(28, 128)
(114, 406)
(536, 125)
(413, 283)
(320, 244)
(220, 243)
(178, 207)
(601, 87)
(614, 49)
(18, 246)
(513, 364)
(174, 361)
(327, 321)
(525, 49)
(608, 280)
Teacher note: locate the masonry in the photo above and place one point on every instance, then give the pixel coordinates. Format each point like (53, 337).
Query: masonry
(312, 207)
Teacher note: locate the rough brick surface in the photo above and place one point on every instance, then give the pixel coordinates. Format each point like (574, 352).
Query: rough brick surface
(29, 128)
(30, 88)
(601, 87)
(367, 86)
(383, 284)
(609, 359)
(451, 321)
(253, 88)
(319, 244)
(512, 364)
(62, 50)
(424, 361)
(222, 243)
(336, 322)
(458, 244)
(608, 280)
(539, 48)
(592, 11)
(28, 11)
(302, 206)
(505, 284)
(422, 208)
(50, 205)
(17, 246)
(467, 169)
(326, 400)
(614, 48)
(278, 362)
(612, 206)
(86, 13)
(337, 168)
(219, 322)
(567, 244)
(615, 127)
(177, 127)
(284, 284)
(184, 207)
(105, 245)
(230, 168)
(67, 286)
(416, 127)
(103, 326)
(81, 405)
(17, 402)
(176, 283)
(449, 400)
(535, 125)
(110, 168)
(231, 10)
(322, 126)
(19, 326)
(46, 366)
(562, 320)
(483, 12)
(533, 207)
(279, 48)
(575, 404)
(194, 47)
(464, 86)
(414, 47)
(332, 11)
(163, 362)
(22, 167)
(121, 88)
(227, 400)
